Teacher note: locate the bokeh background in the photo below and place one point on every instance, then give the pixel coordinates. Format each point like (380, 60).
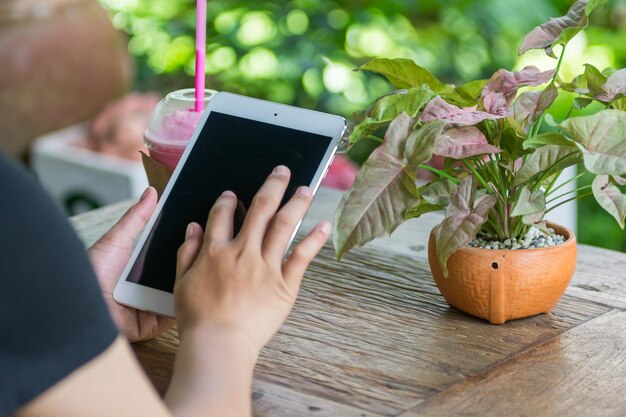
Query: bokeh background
(304, 52)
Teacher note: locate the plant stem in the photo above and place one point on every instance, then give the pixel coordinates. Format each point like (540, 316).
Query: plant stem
(567, 201)
(558, 66)
(537, 184)
(554, 180)
(476, 174)
(548, 191)
(440, 173)
(566, 193)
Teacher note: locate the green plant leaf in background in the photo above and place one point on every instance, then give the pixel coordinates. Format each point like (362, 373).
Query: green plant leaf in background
(463, 220)
(548, 138)
(469, 93)
(404, 73)
(385, 188)
(422, 208)
(385, 109)
(602, 139)
(610, 198)
(409, 101)
(558, 31)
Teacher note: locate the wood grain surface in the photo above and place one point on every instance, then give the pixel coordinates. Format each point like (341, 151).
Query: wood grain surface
(579, 373)
(372, 336)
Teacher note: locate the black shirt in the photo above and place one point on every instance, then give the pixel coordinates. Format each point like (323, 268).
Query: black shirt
(52, 315)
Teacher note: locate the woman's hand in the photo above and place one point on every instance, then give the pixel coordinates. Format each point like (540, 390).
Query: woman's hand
(109, 256)
(243, 285)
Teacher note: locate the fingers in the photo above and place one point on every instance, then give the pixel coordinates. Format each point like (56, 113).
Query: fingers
(219, 226)
(265, 204)
(284, 223)
(189, 249)
(123, 234)
(303, 254)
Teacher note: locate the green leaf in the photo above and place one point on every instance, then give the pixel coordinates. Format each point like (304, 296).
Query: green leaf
(549, 119)
(546, 160)
(469, 93)
(422, 207)
(361, 150)
(463, 220)
(619, 104)
(438, 192)
(409, 101)
(602, 138)
(385, 109)
(382, 193)
(610, 198)
(549, 138)
(558, 31)
(595, 79)
(582, 102)
(404, 73)
(365, 129)
(529, 202)
(619, 180)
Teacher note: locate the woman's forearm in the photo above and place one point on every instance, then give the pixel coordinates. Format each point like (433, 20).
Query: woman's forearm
(212, 374)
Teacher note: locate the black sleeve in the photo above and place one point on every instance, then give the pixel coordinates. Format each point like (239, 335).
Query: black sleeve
(53, 316)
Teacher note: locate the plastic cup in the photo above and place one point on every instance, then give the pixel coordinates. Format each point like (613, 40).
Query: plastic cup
(172, 124)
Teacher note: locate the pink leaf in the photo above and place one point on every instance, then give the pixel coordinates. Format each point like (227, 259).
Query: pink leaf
(463, 142)
(531, 104)
(557, 30)
(463, 220)
(615, 87)
(439, 109)
(384, 189)
(507, 82)
(495, 103)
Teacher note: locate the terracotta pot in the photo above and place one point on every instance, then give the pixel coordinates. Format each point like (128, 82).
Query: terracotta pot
(501, 285)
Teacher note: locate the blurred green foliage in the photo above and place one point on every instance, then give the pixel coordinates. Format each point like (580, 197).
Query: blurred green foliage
(303, 52)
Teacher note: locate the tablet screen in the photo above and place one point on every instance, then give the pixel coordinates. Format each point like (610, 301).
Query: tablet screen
(231, 153)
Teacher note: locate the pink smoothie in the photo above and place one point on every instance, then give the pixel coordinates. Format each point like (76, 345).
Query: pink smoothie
(167, 142)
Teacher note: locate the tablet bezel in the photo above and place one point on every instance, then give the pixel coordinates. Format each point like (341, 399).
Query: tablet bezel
(162, 302)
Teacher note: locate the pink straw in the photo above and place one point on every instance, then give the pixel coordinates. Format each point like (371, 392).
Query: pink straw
(200, 53)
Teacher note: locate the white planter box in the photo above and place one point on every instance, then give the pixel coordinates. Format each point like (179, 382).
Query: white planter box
(79, 179)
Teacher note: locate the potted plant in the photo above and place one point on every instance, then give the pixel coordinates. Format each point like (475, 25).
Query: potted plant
(493, 256)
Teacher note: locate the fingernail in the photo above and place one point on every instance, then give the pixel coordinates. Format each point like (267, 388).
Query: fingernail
(306, 191)
(228, 193)
(189, 232)
(281, 170)
(324, 227)
(145, 194)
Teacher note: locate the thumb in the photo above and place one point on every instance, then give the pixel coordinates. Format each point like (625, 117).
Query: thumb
(123, 234)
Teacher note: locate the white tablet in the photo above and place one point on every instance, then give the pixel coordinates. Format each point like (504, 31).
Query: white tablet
(237, 143)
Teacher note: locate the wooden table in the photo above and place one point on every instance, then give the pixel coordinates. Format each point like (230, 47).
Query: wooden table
(372, 336)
